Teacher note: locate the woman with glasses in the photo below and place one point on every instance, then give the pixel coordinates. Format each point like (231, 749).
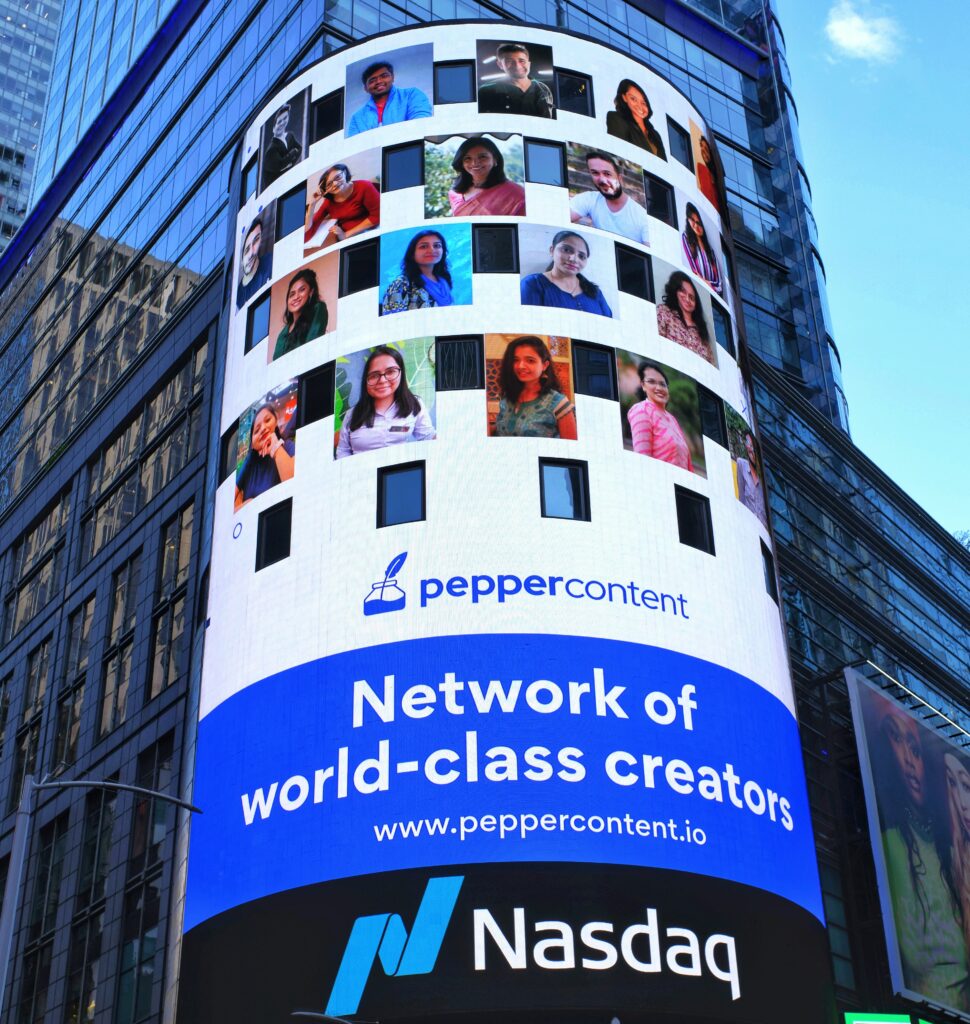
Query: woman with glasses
(562, 283)
(387, 412)
(654, 430)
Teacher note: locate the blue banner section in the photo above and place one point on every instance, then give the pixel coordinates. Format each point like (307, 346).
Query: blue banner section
(491, 748)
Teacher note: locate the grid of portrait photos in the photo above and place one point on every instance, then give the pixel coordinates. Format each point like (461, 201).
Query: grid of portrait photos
(386, 395)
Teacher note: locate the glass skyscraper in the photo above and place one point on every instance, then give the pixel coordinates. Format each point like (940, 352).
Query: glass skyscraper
(110, 308)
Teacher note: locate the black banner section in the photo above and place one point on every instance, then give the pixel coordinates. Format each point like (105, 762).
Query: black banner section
(527, 941)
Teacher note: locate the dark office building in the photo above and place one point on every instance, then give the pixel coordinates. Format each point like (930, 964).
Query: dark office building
(113, 325)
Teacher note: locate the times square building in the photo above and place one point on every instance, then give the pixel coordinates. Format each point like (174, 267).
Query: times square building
(492, 699)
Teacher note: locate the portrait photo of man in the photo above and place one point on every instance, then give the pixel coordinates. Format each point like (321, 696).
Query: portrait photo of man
(379, 83)
(616, 200)
(256, 255)
(515, 79)
(284, 139)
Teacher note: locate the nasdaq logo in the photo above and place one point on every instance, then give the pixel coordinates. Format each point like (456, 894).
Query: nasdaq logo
(384, 936)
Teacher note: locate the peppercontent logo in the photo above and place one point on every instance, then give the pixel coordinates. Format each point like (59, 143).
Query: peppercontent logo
(386, 595)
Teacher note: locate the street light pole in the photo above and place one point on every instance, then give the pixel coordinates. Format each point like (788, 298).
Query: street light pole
(18, 852)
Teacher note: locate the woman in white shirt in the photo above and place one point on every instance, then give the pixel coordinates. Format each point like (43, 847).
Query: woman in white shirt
(387, 412)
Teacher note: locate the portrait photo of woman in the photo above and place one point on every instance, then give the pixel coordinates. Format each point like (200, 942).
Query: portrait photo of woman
(270, 451)
(481, 187)
(531, 403)
(706, 170)
(424, 277)
(563, 283)
(386, 411)
(630, 120)
(751, 488)
(680, 316)
(341, 205)
(303, 306)
(698, 251)
(922, 824)
(305, 315)
(654, 430)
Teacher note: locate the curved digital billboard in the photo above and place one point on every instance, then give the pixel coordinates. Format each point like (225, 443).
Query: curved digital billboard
(496, 716)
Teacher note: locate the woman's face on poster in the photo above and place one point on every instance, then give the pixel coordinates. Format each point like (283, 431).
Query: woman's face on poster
(686, 298)
(297, 296)
(478, 162)
(428, 252)
(705, 150)
(569, 255)
(636, 103)
(749, 447)
(904, 742)
(697, 225)
(383, 377)
(264, 427)
(958, 788)
(654, 386)
(527, 364)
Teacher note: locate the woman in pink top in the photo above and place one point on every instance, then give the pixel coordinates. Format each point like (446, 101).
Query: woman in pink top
(655, 431)
(481, 188)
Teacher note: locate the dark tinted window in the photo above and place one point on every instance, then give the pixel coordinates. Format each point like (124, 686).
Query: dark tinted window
(544, 162)
(328, 115)
(694, 520)
(496, 249)
(291, 211)
(768, 563)
(359, 267)
(454, 82)
(257, 323)
(250, 179)
(403, 166)
(316, 395)
(564, 489)
(228, 445)
(728, 262)
(595, 370)
(273, 534)
(712, 416)
(680, 144)
(722, 327)
(660, 199)
(400, 494)
(633, 273)
(574, 92)
(459, 364)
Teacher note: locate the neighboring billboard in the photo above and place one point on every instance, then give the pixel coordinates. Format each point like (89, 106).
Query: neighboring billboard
(917, 787)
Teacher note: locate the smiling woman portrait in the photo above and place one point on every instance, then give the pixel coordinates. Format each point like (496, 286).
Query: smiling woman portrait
(630, 120)
(481, 186)
(562, 284)
(531, 403)
(306, 314)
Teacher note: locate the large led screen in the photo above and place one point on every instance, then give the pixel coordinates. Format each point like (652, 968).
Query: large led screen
(917, 786)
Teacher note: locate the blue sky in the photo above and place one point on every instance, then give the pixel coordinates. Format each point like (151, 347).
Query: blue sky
(882, 93)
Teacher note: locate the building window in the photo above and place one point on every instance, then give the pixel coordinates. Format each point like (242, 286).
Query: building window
(722, 328)
(250, 179)
(401, 494)
(564, 489)
(99, 819)
(228, 452)
(151, 817)
(495, 249)
(315, 400)
(327, 115)
(728, 262)
(273, 534)
(140, 945)
(594, 368)
(71, 699)
(574, 92)
(454, 81)
(5, 685)
(291, 211)
(403, 166)
(768, 563)
(358, 268)
(545, 162)
(28, 729)
(680, 144)
(660, 199)
(170, 655)
(694, 520)
(85, 965)
(459, 363)
(712, 416)
(116, 672)
(634, 274)
(257, 322)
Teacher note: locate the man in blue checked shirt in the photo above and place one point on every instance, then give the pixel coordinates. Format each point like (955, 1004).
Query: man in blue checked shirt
(388, 104)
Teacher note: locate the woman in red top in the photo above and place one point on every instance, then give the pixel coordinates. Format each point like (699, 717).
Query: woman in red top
(352, 206)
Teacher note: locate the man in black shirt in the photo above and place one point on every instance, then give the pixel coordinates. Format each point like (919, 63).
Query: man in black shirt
(284, 149)
(517, 93)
